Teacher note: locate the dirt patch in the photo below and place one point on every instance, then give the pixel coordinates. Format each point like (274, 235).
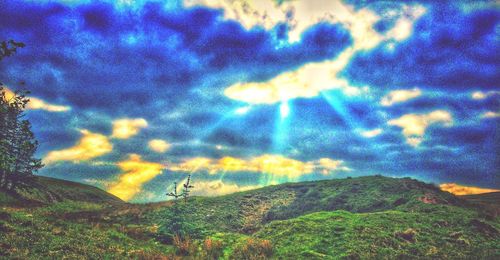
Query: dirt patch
(254, 208)
(429, 198)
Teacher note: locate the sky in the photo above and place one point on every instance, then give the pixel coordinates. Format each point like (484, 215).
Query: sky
(131, 96)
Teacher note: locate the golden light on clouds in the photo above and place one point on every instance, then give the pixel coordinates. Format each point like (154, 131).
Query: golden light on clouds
(158, 145)
(90, 145)
(312, 78)
(37, 103)
(267, 163)
(217, 188)
(136, 173)
(415, 125)
(464, 190)
(398, 96)
(128, 127)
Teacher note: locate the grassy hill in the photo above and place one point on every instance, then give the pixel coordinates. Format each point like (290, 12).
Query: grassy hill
(45, 190)
(356, 218)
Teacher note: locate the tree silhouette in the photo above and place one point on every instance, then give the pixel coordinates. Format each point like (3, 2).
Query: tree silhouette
(17, 142)
(185, 190)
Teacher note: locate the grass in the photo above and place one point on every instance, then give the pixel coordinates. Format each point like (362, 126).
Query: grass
(444, 233)
(358, 218)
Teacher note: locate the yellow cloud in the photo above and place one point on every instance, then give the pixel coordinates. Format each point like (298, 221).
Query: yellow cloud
(414, 125)
(310, 79)
(216, 188)
(126, 128)
(36, 103)
(267, 163)
(158, 145)
(136, 173)
(90, 145)
(478, 95)
(464, 190)
(398, 96)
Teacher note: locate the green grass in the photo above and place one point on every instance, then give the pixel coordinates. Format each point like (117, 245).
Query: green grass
(444, 233)
(358, 218)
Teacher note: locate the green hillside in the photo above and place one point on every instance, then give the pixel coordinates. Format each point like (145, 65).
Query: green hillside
(249, 210)
(45, 190)
(356, 218)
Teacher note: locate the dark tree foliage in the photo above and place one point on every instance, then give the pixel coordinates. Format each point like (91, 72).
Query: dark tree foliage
(17, 142)
(8, 48)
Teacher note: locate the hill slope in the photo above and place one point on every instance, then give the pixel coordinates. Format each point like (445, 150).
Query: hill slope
(45, 190)
(365, 217)
(249, 210)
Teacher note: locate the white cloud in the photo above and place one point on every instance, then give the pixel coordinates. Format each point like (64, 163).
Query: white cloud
(398, 96)
(310, 79)
(478, 95)
(371, 133)
(127, 127)
(415, 125)
(490, 114)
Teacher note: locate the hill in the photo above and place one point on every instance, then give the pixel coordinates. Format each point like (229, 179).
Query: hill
(44, 190)
(492, 198)
(489, 203)
(249, 210)
(354, 218)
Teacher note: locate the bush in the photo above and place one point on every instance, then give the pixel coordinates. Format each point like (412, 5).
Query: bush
(253, 249)
(212, 249)
(184, 245)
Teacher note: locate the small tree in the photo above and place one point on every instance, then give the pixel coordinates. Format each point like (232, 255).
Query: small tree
(185, 191)
(176, 224)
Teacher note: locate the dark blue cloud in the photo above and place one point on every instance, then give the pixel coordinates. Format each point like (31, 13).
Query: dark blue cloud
(92, 55)
(449, 49)
(170, 66)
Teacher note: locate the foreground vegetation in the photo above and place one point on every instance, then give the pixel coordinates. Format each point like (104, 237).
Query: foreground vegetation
(358, 218)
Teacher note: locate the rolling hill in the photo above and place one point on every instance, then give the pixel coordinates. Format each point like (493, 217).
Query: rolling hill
(44, 190)
(353, 218)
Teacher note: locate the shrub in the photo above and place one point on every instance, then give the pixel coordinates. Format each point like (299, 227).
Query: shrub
(253, 249)
(211, 249)
(184, 245)
(408, 235)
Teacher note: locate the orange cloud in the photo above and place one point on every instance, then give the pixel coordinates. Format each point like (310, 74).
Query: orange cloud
(464, 190)
(136, 173)
(127, 127)
(90, 145)
(267, 163)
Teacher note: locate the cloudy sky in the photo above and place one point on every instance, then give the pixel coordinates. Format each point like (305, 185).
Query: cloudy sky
(132, 95)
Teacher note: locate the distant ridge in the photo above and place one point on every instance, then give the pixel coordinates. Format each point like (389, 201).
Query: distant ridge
(45, 190)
